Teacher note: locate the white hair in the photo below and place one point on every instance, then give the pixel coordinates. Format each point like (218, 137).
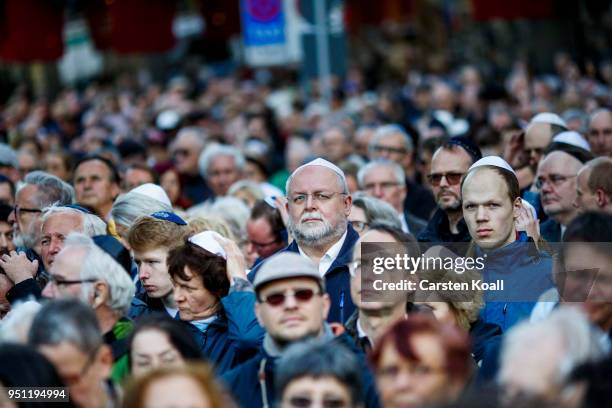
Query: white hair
(400, 176)
(234, 212)
(16, 324)
(97, 264)
(91, 224)
(387, 130)
(249, 186)
(214, 150)
(132, 205)
(566, 328)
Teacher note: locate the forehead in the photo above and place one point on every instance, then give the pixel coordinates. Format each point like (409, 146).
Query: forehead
(258, 226)
(92, 167)
(160, 252)
(559, 163)
(222, 160)
(392, 140)
(314, 178)
(447, 160)
(152, 339)
(68, 261)
(61, 222)
(65, 356)
(601, 120)
(377, 236)
(26, 193)
(538, 133)
(289, 283)
(5, 227)
(379, 173)
(483, 185)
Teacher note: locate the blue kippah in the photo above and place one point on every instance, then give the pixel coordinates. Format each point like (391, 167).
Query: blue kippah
(169, 216)
(78, 207)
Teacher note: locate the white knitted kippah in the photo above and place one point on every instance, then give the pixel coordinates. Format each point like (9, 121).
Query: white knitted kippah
(493, 161)
(207, 241)
(572, 138)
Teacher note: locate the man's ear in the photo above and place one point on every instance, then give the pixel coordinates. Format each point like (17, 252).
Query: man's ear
(326, 305)
(348, 204)
(258, 313)
(100, 295)
(601, 197)
(518, 204)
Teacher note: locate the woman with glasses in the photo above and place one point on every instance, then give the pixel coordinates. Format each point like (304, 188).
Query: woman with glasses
(421, 362)
(368, 210)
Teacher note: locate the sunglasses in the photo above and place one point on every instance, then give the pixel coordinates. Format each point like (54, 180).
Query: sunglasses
(306, 402)
(300, 295)
(452, 178)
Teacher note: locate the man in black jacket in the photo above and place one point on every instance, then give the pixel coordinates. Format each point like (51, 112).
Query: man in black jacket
(448, 165)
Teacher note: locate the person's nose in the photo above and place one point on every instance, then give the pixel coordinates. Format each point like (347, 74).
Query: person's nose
(4, 242)
(378, 191)
(178, 294)
(290, 302)
(55, 246)
(444, 182)
(481, 214)
(49, 290)
(143, 272)
(310, 201)
(11, 218)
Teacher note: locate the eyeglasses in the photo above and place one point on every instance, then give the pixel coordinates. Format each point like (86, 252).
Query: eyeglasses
(320, 197)
(260, 244)
(387, 185)
(18, 210)
(452, 178)
(554, 179)
(181, 152)
(64, 282)
(278, 298)
(359, 226)
(306, 402)
(387, 149)
(355, 267)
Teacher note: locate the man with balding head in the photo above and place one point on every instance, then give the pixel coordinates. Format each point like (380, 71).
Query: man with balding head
(542, 128)
(185, 151)
(556, 180)
(594, 186)
(319, 204)
(600, 132)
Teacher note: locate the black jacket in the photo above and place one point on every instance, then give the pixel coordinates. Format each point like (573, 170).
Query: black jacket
(438, 230)
(419, 200)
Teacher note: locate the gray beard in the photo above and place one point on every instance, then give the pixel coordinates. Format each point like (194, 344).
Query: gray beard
(24, 241)
(318, 237)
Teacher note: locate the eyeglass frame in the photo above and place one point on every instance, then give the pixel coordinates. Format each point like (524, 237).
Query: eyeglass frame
(321, 199)
(17, 210)
(288, 293)
(560, 179)
(452, 174)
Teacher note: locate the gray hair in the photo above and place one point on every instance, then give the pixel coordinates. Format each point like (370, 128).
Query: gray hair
(92, 225)
(14, 327)
(398, 172)
(387, 130)
(98, 265)
(66, 321)
(377, 211)
(567, 327)
(50, 189)
(320, 358)
(198, 132)
(234, 212)
(214, 150)
(131, 205)
(250, 186)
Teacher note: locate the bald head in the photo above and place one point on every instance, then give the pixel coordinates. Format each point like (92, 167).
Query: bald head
(594, 186)
(600, 132)
(537, 137)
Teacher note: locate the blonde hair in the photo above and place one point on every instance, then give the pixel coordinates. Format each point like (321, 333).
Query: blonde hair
(147, 233)
(202, 223)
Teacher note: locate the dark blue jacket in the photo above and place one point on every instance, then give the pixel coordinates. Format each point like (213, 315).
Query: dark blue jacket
(337, 278)
(551, 230)
(144, 306)
(244, 380)
(235, 336)
(438, 230)
(526, 273)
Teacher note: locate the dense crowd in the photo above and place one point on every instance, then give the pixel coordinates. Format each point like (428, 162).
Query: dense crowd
(207, 242)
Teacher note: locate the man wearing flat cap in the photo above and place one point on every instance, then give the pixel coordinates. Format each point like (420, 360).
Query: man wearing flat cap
(319, 204)
(291, 305)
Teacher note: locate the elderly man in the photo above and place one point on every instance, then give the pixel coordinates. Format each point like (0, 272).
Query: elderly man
(449, 164)
(594, 186)
(540, 132)
(57, 223)
(600, 132)
(391, 142)
(186, 150)
(221, 166)
(292, 306)
(385, 180)
(556, 180)
(68, 334)
(96, 182)
(337, 144)
(318, 205)
(84, 271)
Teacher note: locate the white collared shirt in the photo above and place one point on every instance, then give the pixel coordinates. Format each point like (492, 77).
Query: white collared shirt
(330, 256)
(361, 333)
(404, 222)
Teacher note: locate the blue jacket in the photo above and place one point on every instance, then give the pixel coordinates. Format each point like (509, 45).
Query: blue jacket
(337, 278)
(526, 274)
(235, 336)
(244, 380)
(551, 230)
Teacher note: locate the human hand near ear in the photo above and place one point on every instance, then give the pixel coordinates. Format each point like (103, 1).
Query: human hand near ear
(526, 221)
(18, 267)
(235, 262)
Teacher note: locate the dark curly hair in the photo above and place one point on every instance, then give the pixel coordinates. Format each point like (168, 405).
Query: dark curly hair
(209, 267)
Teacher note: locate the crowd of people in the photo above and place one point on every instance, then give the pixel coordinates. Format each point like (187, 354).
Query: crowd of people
(205, 242)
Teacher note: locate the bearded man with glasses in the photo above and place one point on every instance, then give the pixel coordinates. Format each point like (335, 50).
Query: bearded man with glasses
(318, 205)
(448, 166)
(292, 305)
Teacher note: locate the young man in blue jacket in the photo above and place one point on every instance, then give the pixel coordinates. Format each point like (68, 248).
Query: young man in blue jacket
(292, 306)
